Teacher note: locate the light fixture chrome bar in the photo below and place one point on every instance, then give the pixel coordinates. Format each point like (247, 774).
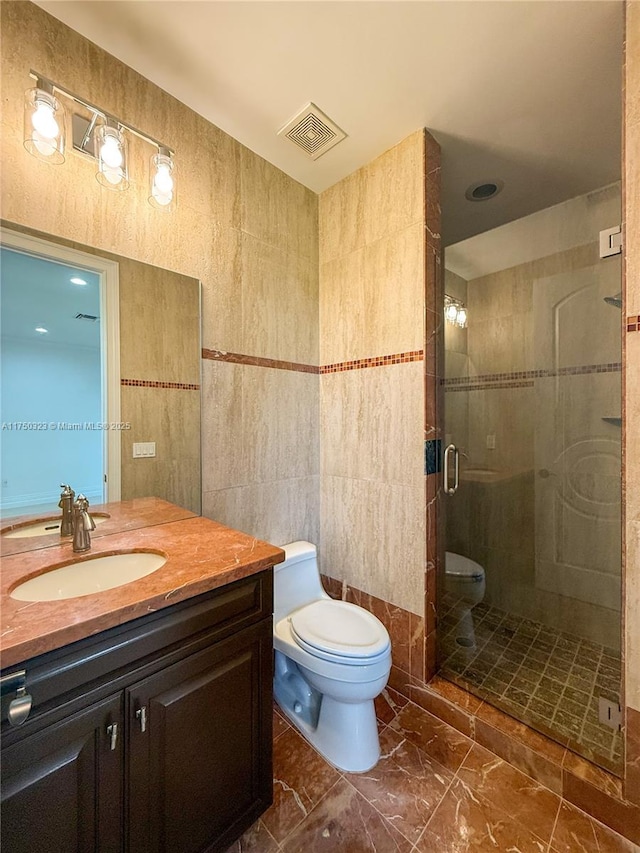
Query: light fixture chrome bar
(43, 82)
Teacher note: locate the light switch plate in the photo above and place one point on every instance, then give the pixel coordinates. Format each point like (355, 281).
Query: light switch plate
(144, 449)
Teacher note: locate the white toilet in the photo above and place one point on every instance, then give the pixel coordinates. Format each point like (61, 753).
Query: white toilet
(465, 582)
(332, 659)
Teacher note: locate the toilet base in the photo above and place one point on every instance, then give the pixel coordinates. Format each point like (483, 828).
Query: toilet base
(346, 733)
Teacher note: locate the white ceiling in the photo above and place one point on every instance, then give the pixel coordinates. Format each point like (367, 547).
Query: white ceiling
(39, 292)
(527, 92)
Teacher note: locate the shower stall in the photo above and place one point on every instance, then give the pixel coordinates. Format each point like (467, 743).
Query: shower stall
(529, 615)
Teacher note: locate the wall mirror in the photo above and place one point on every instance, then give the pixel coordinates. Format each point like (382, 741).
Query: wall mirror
(100, 387)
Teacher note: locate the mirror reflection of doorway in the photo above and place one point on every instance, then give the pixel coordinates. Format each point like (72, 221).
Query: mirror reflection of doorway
(53, 404)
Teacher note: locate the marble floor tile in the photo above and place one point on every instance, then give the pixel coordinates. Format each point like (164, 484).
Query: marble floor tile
(280, 724)
(388, 703)
(467, 823)
(257, 839)
(524, 799)
(301, 777)
(576, 832)
(345, 821)
(433, 791)
(405, 786)
(439, 740)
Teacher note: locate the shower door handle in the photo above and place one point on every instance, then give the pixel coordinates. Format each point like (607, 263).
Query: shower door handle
(451, 489)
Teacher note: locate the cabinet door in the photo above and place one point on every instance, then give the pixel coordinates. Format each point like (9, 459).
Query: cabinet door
(200, 747)
(62, 786)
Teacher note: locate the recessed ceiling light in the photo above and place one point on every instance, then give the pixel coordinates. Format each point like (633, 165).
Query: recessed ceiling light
(483, 190)
(77, 280)
(42, 330)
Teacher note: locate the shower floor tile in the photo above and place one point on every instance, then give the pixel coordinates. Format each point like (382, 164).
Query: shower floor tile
(548, 679)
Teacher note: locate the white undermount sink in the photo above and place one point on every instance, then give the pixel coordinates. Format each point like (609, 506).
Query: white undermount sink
(88, 576)
(44, 527)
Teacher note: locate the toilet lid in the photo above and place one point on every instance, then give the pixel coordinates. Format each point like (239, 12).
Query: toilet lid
(339, 628)
(458, 566)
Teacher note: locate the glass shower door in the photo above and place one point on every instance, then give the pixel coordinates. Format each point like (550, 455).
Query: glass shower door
(529, 618)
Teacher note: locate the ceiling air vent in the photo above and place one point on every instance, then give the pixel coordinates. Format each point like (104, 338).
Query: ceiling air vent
(312, 131)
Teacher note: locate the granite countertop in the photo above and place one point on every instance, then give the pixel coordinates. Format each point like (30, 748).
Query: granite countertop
(201, 555)
(117, 517)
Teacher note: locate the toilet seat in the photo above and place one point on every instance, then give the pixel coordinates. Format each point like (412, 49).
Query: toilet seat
(338, 630)
(462, 568)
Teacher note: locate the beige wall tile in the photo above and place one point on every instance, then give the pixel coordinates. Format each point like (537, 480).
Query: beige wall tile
(280, 424)
(224, 462)
(171, 418)
(279, 303)
(342, 295)
(371, 424)
(372, 301)
(276, 209)
(341, 217)
(373, 536)
(222, 293)
(159, 324)
(632, 593)
(280, 512)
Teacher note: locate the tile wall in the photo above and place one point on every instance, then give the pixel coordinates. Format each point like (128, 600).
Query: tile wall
(247, 231)
(371, 384)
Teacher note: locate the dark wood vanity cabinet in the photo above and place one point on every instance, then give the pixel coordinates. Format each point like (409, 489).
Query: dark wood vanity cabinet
(187, 768)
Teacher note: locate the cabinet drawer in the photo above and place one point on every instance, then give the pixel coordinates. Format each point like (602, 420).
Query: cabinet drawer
(111, 659)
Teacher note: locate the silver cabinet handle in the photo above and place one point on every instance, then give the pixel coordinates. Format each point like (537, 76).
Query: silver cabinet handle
(20, 707)
(112, 732)
(141, 716)
(451, 489)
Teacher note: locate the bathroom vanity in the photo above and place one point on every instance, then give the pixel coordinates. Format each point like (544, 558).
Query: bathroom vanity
(150, 725)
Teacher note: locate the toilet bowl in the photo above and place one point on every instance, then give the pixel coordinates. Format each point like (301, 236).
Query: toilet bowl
(465, 584)
(332, 659)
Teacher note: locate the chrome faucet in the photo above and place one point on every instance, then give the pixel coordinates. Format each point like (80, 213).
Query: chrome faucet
(83, 524)
(66, 505)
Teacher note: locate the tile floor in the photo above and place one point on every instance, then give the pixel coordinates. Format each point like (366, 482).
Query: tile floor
(548, 679)
(433, 791)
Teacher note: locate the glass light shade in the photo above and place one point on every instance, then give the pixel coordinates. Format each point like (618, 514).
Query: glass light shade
(451, 312)
(111, 147)
(162, 190)
(44, 126)
(461, 319)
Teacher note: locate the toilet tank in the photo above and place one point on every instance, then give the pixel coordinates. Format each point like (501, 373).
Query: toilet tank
(296, 581)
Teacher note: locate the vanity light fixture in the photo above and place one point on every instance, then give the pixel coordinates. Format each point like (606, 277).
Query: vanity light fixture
(44, 123)
(101, 136)
(112, 156)
(455, 311)
(162, 191)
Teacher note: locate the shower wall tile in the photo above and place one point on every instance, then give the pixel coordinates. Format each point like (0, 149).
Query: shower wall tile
(362, 411)
(373, 537)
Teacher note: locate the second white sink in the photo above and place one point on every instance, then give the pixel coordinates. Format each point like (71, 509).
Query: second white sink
(88, 576)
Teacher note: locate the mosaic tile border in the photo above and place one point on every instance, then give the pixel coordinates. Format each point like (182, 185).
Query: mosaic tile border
(375, 361)
(484, 386)
(337, 367)
(633, 323)
(146, 383)
(540, 373)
